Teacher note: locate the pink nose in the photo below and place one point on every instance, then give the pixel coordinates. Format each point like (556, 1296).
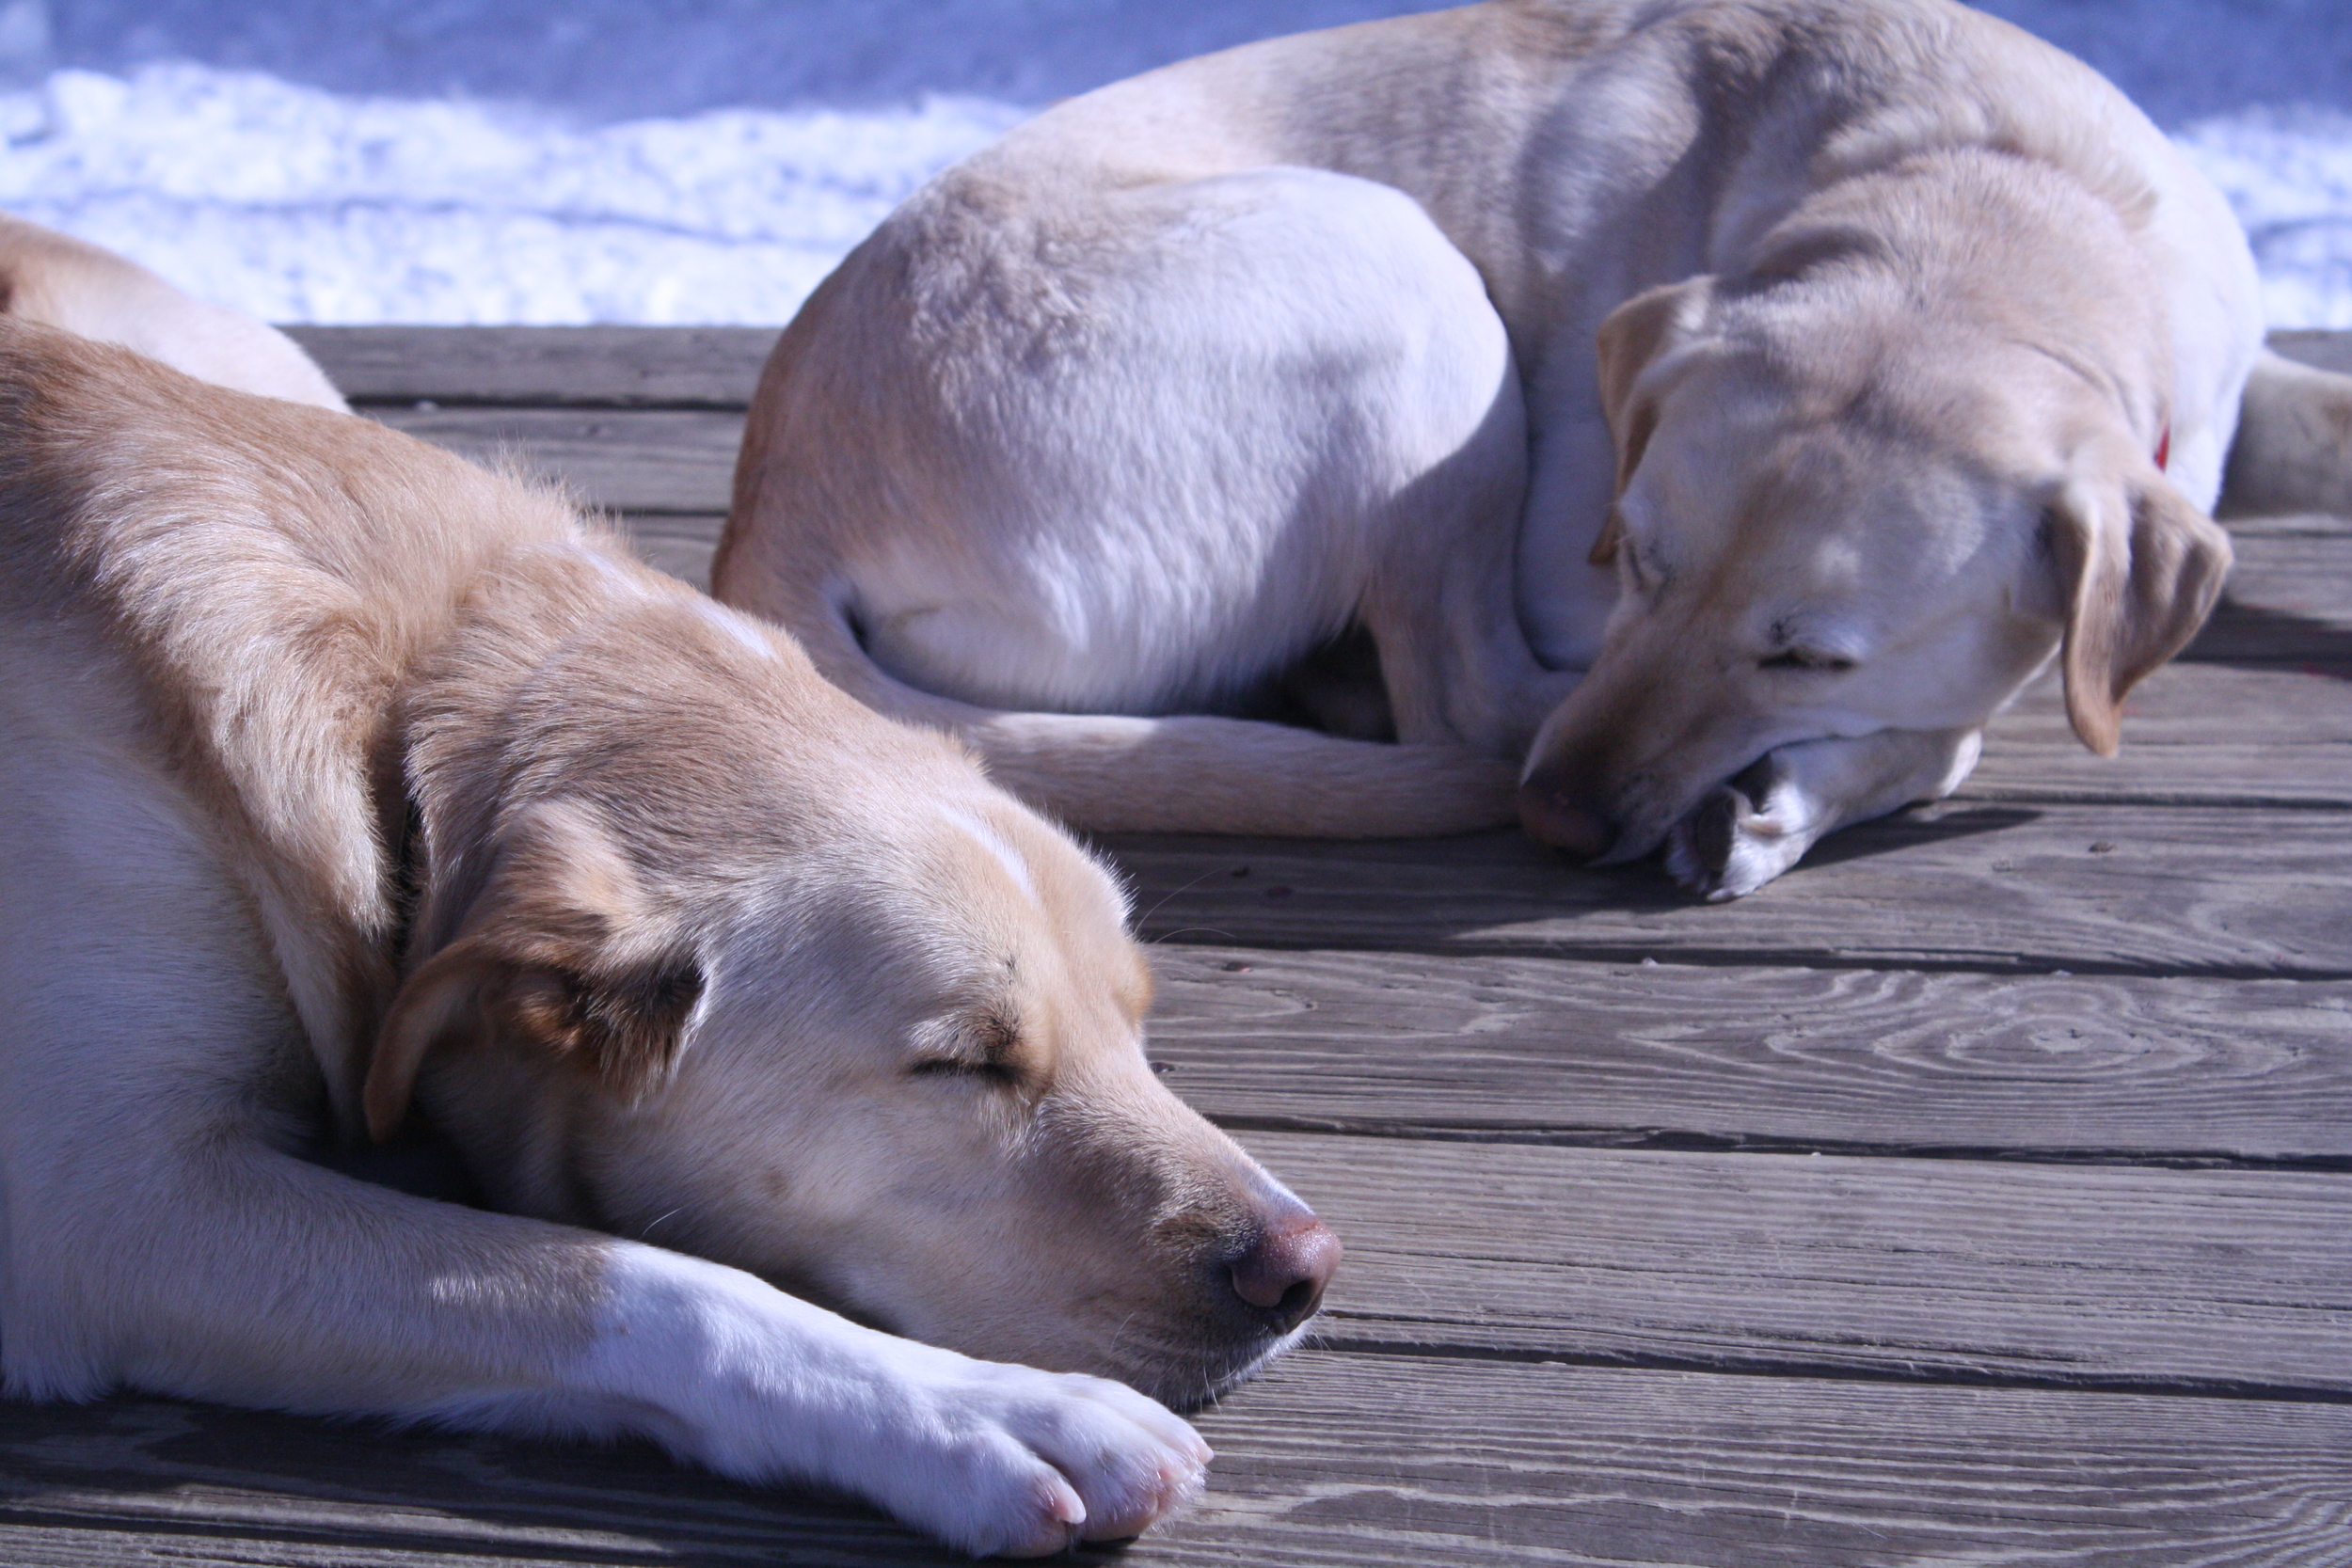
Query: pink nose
(1283, 1273)
(1562, 816)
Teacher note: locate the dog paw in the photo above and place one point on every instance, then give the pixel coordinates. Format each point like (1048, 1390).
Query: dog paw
(1742, 833)
(1021, 1463)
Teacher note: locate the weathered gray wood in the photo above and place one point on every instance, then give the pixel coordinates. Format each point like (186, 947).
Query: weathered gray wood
(713, 367)
(2329, 350)
(2193, 733)
(2092, 1274)
(623, 460)
(2318, 524)
(1329, 1461)
(1971, 886)
(556, 364)
(1675, 1055)
(2289, 598)
(1415, 1463)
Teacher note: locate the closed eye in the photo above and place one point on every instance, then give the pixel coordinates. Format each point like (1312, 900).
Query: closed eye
(959, 1067)
(1807, 658)
(983, 1045)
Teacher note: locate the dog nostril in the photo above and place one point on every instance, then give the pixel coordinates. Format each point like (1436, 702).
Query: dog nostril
(1283, 1273)
(1564, 819)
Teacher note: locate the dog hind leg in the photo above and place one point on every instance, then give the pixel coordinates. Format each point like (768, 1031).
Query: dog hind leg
(2293, 452)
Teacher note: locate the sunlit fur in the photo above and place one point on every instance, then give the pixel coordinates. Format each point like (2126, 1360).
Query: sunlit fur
(1878, 310)
(338, 773)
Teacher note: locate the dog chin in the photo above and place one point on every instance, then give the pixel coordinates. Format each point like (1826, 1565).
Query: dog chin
(1188, 1381)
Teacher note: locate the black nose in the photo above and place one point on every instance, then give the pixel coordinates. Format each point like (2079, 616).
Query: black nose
(1557, 812)
(1283, 1273)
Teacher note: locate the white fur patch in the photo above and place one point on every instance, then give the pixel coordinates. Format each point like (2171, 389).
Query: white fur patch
(994, 843)
(737, 625)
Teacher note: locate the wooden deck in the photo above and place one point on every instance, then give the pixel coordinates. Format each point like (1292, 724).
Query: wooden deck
(1978, 1194)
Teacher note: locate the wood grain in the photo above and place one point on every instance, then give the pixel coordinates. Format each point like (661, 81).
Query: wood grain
(2289, 598)
(622, 460)
(1329, 1461)
(677, 367)
(1813, 1264)
(2194, 732)
(1983, 887)
(1680, 1056)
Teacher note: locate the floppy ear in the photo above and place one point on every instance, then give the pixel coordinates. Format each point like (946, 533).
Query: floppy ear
(1631, 337)
(559, 958)
(2139, 568)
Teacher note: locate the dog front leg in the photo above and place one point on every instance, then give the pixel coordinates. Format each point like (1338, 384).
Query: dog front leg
(234, 1273)
(1443, 611)
(1761, 822)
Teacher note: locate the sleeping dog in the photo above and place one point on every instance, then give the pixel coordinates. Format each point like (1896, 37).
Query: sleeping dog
(802, 1066)
(1705, 414)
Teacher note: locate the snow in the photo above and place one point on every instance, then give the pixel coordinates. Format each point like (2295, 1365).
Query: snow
(302, 205)
(707, 160)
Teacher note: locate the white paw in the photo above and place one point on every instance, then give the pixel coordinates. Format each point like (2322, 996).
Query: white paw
(1742, 833)
(1008, 1461)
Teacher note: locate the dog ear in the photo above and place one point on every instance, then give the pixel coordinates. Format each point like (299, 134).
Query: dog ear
(1630, 339)
(2139, 568)
(559, 958)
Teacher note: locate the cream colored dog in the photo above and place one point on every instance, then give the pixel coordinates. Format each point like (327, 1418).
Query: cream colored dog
(1918, 354)
(337, 773)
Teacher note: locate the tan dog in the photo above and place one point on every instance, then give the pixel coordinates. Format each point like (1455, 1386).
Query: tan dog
(1918, 353)
(335, 771)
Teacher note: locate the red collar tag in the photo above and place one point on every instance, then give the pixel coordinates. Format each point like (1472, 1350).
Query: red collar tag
(2163, 449)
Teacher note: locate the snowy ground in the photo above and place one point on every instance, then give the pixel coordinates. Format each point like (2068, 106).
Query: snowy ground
(696, 160)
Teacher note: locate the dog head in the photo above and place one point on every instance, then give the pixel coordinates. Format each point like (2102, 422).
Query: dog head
(1844, 509)
(712, 956)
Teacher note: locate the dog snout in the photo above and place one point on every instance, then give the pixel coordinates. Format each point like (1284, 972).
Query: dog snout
(1557, 811)
(1283, 1271)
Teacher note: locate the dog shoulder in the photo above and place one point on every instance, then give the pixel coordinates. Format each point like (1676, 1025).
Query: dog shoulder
(268, 575)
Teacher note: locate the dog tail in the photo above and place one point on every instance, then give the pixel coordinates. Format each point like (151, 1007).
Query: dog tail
(1193, 774)
(2293, 448)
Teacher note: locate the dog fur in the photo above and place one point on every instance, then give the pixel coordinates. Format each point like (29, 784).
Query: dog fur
(1712, 411)
(803, 1066)
(64, 282)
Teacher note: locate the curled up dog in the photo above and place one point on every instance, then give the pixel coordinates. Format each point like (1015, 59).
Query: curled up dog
(341, 779)
(1698, 417)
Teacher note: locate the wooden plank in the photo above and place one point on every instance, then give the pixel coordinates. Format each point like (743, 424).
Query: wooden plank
(697, 364)
(1985, 887)
(2329, 350)
(2193, 733)
(2289, 598)
(622, 460)
(136, 1479)
(1328, 1461)
(677, 366)
(1669, 1055)
(2316, 524)
(2120, 1276)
